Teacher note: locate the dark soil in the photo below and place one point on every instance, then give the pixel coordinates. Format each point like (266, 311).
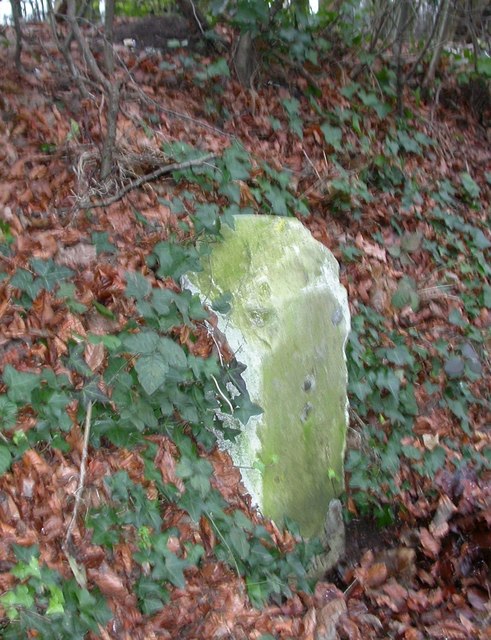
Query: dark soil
(364, 534)
(157, 32)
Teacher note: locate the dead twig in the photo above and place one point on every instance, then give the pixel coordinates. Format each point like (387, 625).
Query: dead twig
(134, 184)
(78, 497)
(319, 177)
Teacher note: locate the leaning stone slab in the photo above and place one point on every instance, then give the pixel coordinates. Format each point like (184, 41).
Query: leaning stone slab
(288, 323)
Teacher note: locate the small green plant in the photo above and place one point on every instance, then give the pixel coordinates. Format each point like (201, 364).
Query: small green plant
(292, 110)
(48, 604)
(217, 69)
(272, 193)
(6, 239)
(471, 190)
(333, 136)
(42, 274)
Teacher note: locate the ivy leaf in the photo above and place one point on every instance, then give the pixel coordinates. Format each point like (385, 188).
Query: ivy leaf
(191, 468)
(174, 569)
(360, 389)
(276, 198)
(172, 353)
(408, 143)
(349, 90)
(486, 294)
(454, 367)
(479, 239)
(406, 294)
(137, 286)
(411, 452)
(332, 136)
(400, 355)
(24, 281)
(174, 260)
(56, 600)
(484, 66)
(151, 595)
(8, 413)
(372, 101)
(50, 273)
(292, 109)
(216, 69)
(5, 459)
(459, 409)
(455, 317)
(142, 343)
(100, 240)
(470, 187)
(222, 303)
(207, 219)
(195, 506)
(434, 460)
(238, 541)
(19, 597)
(411, 242)
(386, 379)
(21, 384)
(237, 163)
(151, 371)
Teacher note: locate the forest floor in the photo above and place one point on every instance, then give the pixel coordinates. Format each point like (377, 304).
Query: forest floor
(428, 574)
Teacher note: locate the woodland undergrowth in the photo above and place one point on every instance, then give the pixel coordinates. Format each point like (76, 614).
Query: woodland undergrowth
(119, 517)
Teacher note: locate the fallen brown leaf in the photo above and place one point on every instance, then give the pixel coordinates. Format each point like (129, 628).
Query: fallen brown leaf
(431, 545)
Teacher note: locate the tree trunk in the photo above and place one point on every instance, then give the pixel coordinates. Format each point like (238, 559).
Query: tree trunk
(440, 41)
(244, 59)
(17, 17)
(112, 93)
(402, 29)
(109, 36)
(110, 86)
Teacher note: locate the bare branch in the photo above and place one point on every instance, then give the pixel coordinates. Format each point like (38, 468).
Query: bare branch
(427, 43)
(87, 53)
(147, 178)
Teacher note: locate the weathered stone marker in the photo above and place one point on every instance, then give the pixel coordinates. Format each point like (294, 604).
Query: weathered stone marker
(288, 323)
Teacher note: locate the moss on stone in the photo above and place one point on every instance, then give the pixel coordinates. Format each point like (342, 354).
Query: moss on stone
(288, 323)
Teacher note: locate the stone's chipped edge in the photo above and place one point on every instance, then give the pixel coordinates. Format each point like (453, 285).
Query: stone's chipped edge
(251, 477)
(333, 541)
